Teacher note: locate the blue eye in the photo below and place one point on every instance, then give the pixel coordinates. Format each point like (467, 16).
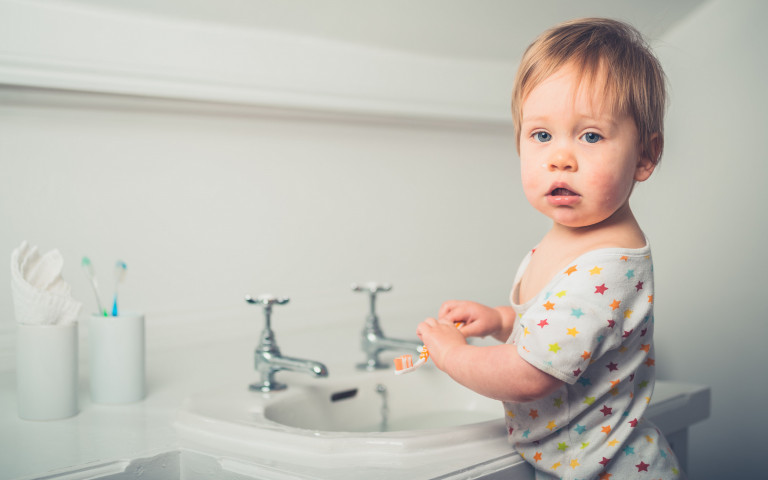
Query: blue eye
(592, 137)
(542, 136)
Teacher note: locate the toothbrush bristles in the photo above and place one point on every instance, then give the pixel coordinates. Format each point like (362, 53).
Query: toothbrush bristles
(401, 363)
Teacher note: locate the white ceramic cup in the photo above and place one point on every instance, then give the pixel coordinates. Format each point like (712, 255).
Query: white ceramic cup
(117, 358)
(46, 371)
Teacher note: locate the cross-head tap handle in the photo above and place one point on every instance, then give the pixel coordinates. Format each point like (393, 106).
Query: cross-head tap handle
(372, 288)
(267, 301)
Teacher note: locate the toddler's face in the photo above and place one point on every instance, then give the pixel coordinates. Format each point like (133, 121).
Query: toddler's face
(579, 159)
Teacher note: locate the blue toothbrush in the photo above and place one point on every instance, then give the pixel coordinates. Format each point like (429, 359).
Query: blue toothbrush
(120, 270)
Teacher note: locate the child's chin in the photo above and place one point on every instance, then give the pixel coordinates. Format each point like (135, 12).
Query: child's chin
(571, 219)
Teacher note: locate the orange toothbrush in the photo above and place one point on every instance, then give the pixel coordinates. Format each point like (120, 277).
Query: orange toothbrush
(404, 364)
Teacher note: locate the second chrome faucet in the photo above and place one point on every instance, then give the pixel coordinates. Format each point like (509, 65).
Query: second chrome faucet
(373, 340)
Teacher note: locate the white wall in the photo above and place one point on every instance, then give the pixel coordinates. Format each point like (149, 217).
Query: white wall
(705, 211)
(205, 208)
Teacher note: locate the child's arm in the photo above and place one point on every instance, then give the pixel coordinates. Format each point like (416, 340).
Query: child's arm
(493, 371)
(479, 320)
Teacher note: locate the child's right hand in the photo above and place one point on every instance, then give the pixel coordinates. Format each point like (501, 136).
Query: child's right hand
(479, 320)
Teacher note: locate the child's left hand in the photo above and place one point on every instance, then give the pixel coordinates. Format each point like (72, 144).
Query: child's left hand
(439, 337)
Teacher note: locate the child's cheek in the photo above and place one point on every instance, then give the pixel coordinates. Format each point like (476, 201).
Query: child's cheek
(531, 182)
(611, 188)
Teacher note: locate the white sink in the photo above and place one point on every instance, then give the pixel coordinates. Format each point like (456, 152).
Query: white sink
(420, 400)
(432, 425)
(337, 428)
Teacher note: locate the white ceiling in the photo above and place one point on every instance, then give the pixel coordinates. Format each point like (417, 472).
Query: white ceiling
(479, 29)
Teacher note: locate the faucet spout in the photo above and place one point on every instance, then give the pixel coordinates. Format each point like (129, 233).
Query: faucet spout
(312, 367)
(267, 363)
(374, 343)
(398, 344)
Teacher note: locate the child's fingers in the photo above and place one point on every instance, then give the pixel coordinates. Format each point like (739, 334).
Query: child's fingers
(455, 312)
(426, 324)
(470, 329)
(446, 308)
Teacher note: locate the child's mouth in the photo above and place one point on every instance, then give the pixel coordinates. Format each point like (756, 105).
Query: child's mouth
(562, 196)
(562, 192)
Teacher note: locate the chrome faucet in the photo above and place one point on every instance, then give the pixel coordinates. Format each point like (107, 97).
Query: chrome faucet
(373, 339)
(267, 357)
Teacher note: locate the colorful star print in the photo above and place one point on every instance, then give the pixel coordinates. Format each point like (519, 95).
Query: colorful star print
(551, 425)
(601, 347)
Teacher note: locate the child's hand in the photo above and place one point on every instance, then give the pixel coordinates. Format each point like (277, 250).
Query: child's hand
(439, 337)
(479, 320)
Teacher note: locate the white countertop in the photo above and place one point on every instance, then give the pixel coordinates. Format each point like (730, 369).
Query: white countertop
(104, 439)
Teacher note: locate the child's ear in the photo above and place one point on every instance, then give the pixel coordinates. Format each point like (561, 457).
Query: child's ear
(648, 159)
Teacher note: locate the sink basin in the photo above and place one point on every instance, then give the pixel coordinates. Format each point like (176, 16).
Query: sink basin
(421, 400)
(354, 425)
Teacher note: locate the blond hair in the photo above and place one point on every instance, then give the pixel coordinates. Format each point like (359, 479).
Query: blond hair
(606, 50)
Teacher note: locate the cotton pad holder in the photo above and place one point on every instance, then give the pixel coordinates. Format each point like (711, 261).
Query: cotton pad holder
(47, 371)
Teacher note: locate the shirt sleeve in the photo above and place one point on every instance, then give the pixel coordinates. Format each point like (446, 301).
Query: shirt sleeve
(588, 309)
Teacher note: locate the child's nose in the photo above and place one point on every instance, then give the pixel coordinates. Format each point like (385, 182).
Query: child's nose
(564, 160)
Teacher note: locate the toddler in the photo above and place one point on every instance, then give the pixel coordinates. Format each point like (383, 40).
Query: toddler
(576, 371)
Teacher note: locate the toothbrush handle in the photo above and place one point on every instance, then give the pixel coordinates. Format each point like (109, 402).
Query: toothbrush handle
(102, 311)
